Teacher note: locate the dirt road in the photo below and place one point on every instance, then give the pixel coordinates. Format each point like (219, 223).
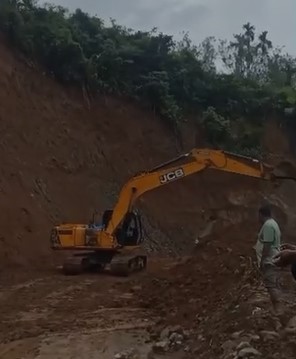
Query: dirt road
(99, 316)
(70, 317)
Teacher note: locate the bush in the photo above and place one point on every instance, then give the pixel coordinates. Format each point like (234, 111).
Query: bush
(216, 128)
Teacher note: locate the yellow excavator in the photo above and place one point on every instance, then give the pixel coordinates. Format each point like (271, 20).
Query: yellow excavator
(115, 242)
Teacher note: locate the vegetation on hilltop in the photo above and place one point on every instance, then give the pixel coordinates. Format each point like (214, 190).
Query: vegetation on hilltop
(176, 79)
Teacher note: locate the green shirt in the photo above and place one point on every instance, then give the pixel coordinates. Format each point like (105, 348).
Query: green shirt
(269, 233)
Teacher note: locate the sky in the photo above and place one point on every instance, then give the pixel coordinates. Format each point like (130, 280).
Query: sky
(201, 18)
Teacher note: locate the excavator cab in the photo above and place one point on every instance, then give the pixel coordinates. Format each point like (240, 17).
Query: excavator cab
(93, 223)
(130, 232)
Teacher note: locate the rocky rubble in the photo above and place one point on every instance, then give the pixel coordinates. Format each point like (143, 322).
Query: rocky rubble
(171, 339)
(241, 345)
(128, 354)
(164, 342)
(224, 305)
(250, 345)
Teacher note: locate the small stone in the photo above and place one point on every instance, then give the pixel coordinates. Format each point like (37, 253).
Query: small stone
(254, 337)
(256, 311)
(248, 353)
(176, 329)
(128, 354)
(292, 323)
(175, 337)
(201, 338)
(243, 345)
(267, 335)
(236, 335)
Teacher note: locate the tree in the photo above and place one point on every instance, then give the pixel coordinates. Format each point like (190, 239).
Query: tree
(207, 54)
(216, 127)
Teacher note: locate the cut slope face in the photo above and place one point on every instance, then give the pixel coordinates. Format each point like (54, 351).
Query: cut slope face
(61, 160)
(63, 157)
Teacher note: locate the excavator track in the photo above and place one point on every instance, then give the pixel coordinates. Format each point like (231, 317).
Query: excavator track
(78, 264)
(123, 265)
(73, 265)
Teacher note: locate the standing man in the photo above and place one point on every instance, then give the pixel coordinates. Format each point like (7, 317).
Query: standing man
(267, 247)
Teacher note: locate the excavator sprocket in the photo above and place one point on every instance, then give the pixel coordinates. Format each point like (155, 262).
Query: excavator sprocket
(123, 265)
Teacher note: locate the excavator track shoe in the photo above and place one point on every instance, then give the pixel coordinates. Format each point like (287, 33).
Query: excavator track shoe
(125, 265)
(78, 264)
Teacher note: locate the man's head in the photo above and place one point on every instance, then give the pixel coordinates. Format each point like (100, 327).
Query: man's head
(264, 213)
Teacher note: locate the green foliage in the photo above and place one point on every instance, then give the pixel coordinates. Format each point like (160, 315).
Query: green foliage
(216, 127)
(233, 135)
(172, 78)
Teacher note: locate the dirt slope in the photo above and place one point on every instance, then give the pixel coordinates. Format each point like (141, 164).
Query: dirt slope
(61, 160)
(63, 156)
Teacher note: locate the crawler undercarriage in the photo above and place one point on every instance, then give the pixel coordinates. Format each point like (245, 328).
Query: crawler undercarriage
(116, 263)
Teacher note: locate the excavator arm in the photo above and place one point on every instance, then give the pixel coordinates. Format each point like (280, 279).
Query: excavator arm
(195, 161)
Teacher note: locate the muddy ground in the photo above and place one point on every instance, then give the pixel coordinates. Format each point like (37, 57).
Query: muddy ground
(215, 306)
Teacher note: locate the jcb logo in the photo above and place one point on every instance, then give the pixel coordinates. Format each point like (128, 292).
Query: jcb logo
(171, 176)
